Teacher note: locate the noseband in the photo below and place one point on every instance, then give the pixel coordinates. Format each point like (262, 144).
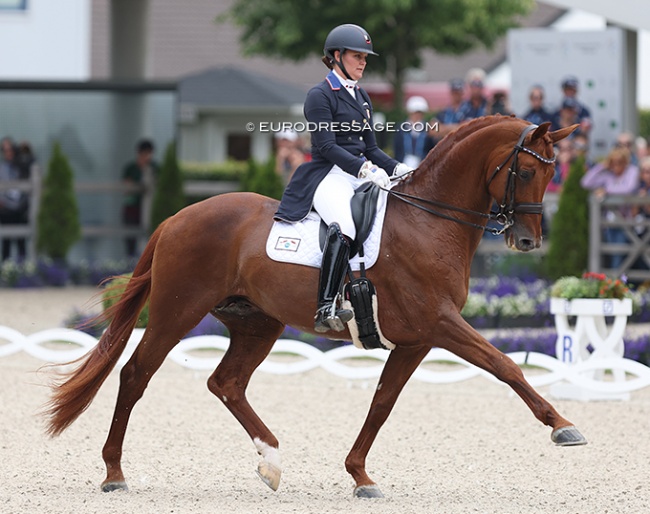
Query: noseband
(507, 208)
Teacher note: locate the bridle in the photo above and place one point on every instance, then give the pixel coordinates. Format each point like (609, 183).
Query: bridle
(505, 216)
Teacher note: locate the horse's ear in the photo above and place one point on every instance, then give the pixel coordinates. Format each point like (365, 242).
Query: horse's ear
(540, 131)
(562, 133)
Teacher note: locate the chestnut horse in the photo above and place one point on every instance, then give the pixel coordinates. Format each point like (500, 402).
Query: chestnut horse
(210, 258)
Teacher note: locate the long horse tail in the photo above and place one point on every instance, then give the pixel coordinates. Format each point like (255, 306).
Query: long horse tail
(75, 390)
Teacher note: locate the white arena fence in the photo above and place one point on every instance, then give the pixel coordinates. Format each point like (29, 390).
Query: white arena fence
(61, 345)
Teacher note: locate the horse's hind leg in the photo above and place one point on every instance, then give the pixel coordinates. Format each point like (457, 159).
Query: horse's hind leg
(252, 335)
(462, 340)
(161, 335)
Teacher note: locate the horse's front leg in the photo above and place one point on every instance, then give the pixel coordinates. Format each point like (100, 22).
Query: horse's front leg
(462, 340)
(399, 367)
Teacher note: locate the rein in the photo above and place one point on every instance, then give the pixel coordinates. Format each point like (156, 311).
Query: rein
(507, 208)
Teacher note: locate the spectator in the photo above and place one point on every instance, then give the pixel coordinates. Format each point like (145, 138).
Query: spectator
(476, 105)
(25, 160)
(570, 90)
(565, 155)
(626, 140)
(13, 202)
(643, 211)
(499, 104)
(581, 148)
(615, 176)
(537, 114)
(143, 172)
(451, 116)
(412, 142)
(288, 154)
(641, 147)
(566, 116)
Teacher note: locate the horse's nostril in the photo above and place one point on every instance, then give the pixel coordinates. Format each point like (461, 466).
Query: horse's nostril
(526, 244)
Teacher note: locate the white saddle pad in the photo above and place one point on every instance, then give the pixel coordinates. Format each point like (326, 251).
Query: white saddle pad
(298, 243)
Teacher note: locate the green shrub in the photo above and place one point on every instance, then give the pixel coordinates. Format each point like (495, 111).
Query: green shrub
(113, 292)
(568, 252)
(229, 170)
(58, 215)
(168, 197)
(263, 179)
(644, 123)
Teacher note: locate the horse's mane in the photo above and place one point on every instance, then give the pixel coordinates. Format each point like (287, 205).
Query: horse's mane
(443, 147)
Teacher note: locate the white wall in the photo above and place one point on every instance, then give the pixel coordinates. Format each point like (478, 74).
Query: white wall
(48, 41)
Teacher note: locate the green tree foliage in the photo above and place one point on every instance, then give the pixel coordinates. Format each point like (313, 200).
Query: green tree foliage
(568, 253)
(169, 197)
(401, 29)
(58, 214)
(262, 178)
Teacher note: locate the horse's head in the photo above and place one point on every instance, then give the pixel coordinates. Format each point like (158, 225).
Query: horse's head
(518, 175)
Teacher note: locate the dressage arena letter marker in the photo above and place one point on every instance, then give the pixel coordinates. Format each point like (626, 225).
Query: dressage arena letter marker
(288, 244)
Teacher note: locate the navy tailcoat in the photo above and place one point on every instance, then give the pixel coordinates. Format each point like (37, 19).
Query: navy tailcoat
(346, 139)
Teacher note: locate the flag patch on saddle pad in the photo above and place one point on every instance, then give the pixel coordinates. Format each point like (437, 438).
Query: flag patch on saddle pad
(297, 243)
(287, 244)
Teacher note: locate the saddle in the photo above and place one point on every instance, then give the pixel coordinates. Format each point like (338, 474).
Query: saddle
(359, 291)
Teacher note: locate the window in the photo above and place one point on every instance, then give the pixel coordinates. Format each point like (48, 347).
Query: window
(13, 5)
(239, 147)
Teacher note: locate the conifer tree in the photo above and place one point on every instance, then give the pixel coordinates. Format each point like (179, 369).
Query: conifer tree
(58, 214)
(169, 197)
(569, 235)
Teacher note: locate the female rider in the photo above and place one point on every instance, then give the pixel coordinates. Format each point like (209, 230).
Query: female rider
(344, 155)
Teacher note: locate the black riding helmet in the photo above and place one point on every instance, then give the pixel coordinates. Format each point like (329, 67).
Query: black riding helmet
(347, 37)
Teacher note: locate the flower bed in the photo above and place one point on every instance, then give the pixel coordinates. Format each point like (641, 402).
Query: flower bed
(495, 302)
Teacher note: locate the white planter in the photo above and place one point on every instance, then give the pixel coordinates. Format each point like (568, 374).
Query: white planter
(591, 338)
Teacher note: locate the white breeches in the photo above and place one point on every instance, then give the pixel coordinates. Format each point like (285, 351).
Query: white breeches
(332, 199)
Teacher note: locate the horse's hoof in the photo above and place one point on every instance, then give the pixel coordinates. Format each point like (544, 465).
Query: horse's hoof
(568, 436)
(269, 474)
(109, 487)
(368, 491)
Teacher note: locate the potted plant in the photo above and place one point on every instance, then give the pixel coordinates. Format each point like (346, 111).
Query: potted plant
(591, 299)
(591, 294)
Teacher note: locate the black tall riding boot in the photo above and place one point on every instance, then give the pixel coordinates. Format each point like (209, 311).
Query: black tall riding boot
(332, 274)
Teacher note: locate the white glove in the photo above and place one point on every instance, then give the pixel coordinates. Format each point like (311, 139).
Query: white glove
(402, 170)
(375, 174)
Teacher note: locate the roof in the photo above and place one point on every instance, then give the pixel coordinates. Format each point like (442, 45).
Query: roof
(231, 87)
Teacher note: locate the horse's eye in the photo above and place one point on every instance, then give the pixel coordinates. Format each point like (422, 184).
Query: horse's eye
(525, 175)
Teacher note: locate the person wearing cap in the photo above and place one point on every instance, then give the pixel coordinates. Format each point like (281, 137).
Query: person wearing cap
(412, 142)
(451, 116)
(570, 90)
(537, 114)
(344, 156)
(476, 105)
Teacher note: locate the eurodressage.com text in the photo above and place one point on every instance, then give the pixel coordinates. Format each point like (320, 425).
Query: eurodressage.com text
(343, 126)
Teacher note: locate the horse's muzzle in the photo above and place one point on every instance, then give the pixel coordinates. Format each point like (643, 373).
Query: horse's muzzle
(522, 242)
